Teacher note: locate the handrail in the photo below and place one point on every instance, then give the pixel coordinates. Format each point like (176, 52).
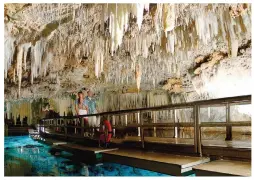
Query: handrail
(236, 99)
(216, 124)
(196, 105)
(181, 124)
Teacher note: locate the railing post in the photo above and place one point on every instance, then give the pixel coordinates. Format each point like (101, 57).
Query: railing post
(139, 114)
(126, 119)
(114, 123)
(142, 130)
(65, 128)
(82, 126)
(55, 125)
(41, 123)
(175, 127)
(154, 121)
(197, 134)
(228, 128)
(75, 124)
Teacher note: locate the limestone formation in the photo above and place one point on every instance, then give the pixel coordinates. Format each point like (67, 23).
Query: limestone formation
(55, 50)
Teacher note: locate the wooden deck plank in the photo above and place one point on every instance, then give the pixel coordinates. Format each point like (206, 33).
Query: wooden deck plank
(223, 168)
(178, 141)
(160, 162)
(229, 144)
(51, 141)
(84, 148)
(183, 161)
(246, 144)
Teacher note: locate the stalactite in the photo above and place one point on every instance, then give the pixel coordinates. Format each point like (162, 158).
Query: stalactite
(118, 20)
(8, 53)
(138, 11)
(168, 17)
(19, 66)
(21, 108)
(159, 57)
(138, 74)
(38, 51)
(26, 47)
(99, 54)
(14, 75)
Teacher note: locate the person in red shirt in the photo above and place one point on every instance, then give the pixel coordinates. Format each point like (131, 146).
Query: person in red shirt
(105, 132)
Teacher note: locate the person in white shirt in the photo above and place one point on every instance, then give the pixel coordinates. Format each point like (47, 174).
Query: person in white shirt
(81, 107)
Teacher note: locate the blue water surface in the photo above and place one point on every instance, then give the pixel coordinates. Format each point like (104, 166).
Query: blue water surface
(27, 157)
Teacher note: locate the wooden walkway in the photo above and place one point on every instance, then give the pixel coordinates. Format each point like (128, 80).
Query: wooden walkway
(224, 168)
(171, 164)
(51, 141)
(244, 144)
(181, 141)
(160, 162)
(94, 150)
(188, 142)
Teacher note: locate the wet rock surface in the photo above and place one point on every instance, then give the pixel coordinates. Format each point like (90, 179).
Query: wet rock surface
(71, 53)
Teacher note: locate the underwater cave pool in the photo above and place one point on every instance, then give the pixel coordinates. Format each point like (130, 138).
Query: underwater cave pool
(27, 157)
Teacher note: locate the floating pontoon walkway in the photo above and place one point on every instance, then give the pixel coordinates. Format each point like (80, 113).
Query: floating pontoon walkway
(51, 141)
(94, 150)
(180, 156)
(224, 168)
(160, 162)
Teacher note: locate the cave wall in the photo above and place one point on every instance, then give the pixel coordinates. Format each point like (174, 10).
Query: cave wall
(157, 54)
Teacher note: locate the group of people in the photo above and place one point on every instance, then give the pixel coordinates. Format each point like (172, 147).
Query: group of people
(87, 105)
(98, 126)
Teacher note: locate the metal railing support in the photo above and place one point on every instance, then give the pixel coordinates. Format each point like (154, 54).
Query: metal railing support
(114, 123)
(75, 122)
(154, 121)
(197, 133)
(175, 127)
(142, 130)
(82, 126)
(126, 119)
(139, 114)
(228, 128)
(65, 128)
(55, 124)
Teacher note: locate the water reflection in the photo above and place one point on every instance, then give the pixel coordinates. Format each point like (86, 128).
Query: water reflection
(26, 157)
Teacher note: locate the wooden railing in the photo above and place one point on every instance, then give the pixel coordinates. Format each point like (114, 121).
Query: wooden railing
(196, 124)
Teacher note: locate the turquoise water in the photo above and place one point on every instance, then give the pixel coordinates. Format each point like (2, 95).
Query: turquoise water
(26, 157)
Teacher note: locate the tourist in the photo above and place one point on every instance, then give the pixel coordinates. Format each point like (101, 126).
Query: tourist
(81, 107)
(91, 104)
(105, 132)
